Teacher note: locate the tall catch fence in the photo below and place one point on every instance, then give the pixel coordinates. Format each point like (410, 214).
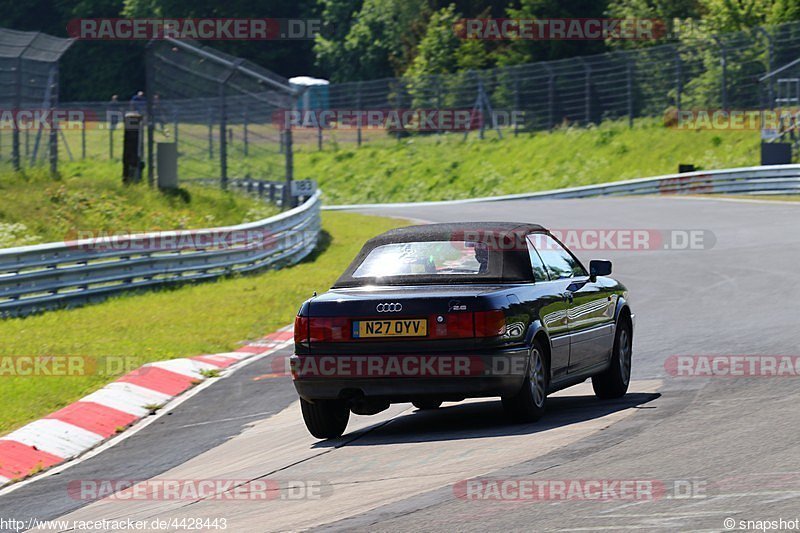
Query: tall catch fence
(220, 110)
(28, 82)
(228, 115)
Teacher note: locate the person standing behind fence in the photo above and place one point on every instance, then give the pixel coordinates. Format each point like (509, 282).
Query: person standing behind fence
(139, 103)
(158, 114)
(113, 112)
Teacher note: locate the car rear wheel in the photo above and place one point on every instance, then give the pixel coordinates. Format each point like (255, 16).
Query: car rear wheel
(426, 405)
(613, 383)
(325, 419)
(528, 405)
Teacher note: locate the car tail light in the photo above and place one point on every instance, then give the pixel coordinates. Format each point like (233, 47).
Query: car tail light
(451, 326)
(490, 323)
(329, 329)
(300, 329)
(465, 325)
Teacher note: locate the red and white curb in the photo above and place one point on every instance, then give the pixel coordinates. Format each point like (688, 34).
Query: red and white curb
(81, 426)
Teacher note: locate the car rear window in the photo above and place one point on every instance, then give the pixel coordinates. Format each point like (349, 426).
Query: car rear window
(431, 258)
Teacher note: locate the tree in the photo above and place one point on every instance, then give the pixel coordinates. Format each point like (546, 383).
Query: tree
(380, 40)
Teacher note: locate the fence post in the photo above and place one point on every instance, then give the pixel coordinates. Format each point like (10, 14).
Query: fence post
(516, 103)
(587, 87)
(630, 92)
(175, 122)
(55, 129)
(287, 188)
(223, 139)
(319, 134)
(83, 136)
(678, 79)
(723, 58)
(244, 133)
(551, 96)
(110, 142)
(770, 53)
(358, 106)
(210, 133)
(17, 104)
(149, 117)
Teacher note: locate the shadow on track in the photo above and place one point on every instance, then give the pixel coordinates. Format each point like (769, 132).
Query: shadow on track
(483, 419)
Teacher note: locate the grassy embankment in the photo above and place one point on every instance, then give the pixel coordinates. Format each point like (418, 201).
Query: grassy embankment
(195, 319)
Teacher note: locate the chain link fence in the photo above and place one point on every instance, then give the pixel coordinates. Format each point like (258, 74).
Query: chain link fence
(227, 114)
(28, 81)
(220, 111)
(719, 71)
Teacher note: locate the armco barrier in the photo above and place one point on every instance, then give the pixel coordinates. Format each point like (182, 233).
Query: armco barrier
(44, 276)
(778, 179)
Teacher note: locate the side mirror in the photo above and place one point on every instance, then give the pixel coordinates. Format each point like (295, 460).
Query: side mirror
(599, 267)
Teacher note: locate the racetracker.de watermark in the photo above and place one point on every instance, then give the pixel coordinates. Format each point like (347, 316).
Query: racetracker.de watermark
(586, 490)
(26, 366)
(198, 489)
(181, 240)
(594, 239)
(733, 366)
(731, 119)
(37, 118)
(560, 29)
(207, 29)
(419, 120)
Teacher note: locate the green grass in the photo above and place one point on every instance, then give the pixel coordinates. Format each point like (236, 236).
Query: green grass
(89, 196)
(449, 167)
(196, 319)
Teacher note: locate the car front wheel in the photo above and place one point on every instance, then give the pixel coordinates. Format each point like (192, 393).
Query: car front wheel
(528, 405)
(613, 383)
(325, 419)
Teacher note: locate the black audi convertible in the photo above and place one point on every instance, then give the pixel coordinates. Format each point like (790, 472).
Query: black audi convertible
(443, 312)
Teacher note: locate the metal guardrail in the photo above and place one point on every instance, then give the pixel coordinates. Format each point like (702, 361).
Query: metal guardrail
(777, 179)
(70, 273)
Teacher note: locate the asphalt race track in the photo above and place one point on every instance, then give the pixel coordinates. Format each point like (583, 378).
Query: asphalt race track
(734, 441)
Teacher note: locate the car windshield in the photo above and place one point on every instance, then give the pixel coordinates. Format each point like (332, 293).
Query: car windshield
(425, 259)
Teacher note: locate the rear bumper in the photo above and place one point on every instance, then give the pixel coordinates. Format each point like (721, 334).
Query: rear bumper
(453, 376)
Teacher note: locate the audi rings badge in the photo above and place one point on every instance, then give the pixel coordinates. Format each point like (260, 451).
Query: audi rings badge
(389, 307)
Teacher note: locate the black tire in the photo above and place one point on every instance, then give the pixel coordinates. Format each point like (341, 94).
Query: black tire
(325, 419)
(529, 404)
(613, 383)
(426, 405)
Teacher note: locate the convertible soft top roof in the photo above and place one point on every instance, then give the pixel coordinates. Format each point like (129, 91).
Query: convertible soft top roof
(505, 241)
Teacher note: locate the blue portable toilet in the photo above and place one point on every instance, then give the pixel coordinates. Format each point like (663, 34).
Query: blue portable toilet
(316, 97)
